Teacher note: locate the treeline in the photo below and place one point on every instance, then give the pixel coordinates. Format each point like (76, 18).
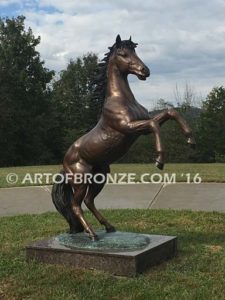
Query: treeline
(40, 116)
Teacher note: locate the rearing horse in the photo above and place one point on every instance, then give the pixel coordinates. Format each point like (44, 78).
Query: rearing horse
(122, 121)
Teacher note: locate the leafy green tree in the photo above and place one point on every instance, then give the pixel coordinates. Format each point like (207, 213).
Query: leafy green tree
(24, 96)
(73, 97)
(212, 128)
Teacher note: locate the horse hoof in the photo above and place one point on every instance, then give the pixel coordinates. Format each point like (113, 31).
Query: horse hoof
(159, 165)
(191, 142)
(94, 238)
(110, 229)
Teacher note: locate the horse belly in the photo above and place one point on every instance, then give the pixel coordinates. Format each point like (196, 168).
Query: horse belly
(118, 150)
(105, 147)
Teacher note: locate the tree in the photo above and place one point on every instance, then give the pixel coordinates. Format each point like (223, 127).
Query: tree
(212, 127)
(24, 96)
(162, 104)
(73, 97)
(187, 97)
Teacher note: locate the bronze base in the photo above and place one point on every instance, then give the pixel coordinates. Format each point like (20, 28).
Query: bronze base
(123, 263)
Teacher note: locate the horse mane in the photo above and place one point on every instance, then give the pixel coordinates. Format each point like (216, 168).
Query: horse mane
(100, 76)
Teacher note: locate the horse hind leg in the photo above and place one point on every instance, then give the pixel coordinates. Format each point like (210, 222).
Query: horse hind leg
(89, 201)
(79, 192)
(93, 190)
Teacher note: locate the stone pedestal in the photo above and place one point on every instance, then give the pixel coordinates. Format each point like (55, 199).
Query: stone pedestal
(124, 262)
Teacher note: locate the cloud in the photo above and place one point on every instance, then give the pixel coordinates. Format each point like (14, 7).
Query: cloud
(9, 2)
(181, 41)
(21, 3)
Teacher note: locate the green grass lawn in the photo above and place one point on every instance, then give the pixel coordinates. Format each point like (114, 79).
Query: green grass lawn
(208, 172)
(198, 271)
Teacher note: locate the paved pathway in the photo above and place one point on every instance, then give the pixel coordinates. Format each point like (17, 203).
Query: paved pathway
(205, 197)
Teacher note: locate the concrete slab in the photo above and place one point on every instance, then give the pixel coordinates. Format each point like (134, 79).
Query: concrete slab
(127, 195)
(204, 197)
(37, 199)
(23, 200)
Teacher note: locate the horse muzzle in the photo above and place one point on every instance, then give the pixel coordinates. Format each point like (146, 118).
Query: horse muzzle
(143, 73)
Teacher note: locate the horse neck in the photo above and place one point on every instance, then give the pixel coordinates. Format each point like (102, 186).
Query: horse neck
(117, 84)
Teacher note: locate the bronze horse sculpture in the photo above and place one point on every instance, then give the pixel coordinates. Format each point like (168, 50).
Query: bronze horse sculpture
(121, 122)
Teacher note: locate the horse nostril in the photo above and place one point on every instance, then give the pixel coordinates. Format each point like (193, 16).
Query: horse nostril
(145, 70)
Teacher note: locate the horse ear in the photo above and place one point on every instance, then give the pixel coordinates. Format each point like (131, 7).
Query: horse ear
(118, 41)
(130, 39)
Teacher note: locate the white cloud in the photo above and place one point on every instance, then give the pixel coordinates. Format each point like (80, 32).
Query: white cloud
(8, 2)
(181, 41)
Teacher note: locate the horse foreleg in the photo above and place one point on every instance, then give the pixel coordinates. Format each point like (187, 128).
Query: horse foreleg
(172, 114)
(155, 129)
(145, 127)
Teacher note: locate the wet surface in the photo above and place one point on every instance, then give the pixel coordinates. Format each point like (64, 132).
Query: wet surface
(122, 241)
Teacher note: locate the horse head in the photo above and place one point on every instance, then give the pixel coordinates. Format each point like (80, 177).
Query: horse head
(125, 58)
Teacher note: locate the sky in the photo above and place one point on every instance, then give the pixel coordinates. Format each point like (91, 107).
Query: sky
(181, 41)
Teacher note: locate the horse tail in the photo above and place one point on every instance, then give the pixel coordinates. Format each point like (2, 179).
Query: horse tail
(62, 196)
